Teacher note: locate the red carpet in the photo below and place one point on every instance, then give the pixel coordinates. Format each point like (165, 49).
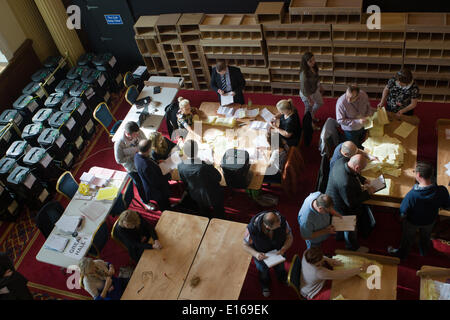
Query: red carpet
(22, 240)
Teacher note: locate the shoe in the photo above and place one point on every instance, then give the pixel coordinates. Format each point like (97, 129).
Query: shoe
(363, 249)
(149, 207)
(392, 251)
(266, 292)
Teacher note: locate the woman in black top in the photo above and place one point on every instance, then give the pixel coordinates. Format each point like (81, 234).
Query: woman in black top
(289, 129)
(401, 94)
(161, 146)
(13, 285)
(135, 233)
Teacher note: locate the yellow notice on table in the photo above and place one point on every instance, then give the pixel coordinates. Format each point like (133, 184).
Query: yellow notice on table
(404, 130)
(107, 194)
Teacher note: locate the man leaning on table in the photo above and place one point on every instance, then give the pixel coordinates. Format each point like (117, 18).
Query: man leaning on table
(348, 149)
(228, 79)
(268, 231)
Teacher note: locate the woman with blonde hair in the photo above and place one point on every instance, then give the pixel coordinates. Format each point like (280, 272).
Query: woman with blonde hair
(186, 114)
(289, 126)
(161, 146)
(135, 233)
(97, 277)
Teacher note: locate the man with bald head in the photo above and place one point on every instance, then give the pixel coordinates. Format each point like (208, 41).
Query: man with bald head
(349, 190)
(348, 149)
(268, 231)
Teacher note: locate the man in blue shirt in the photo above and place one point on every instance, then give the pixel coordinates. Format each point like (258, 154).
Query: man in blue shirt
(419, 211)
(348, 149)
(314, 219)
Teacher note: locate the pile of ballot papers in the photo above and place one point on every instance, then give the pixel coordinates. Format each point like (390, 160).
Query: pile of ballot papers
(390, 154)
(350, 262)
(376, 123)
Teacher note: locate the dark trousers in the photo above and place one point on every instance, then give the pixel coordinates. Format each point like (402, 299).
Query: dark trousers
(264, 273)
(18, 289)
(218, 211)
(357, 136)
(138, 183)
(408, 238)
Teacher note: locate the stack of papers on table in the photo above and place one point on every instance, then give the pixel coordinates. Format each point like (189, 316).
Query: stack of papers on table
(381, 116)
(68, 224)
(350, 262)
(226, 99)
(87, 178)
(240, 113)
(346, 223)
(56, 243)
(261, 142)
(227, 122)
(259, 125)
(273, 258)
(436, 290)
(102, 173)
(108, 194)
(252, 113)
(225, 111)
(267, 115)
(93, 210)
(404, 130)
(99, 182)
(390, 154)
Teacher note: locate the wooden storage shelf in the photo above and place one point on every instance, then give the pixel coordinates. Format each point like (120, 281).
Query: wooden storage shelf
(427, 22)
(230, 22)
(296, 52)
(270, 12)
(166, 27)
(258, 88)
(429, 72)
(240, 62)
(188, 27)
(325, 11)
(226, 35)
(370, 70)
(146, 26)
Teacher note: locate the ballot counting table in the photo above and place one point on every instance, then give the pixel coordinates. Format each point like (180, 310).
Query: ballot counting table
(403, 184)
(187, 267)
(428, 274)
(443, 156)
(156, 109)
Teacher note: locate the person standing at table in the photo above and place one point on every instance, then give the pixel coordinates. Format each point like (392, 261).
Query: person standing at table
(202, 181)
(348, 149)
(352, 110)
(227, 79)
(401, 94)
(290, 129)
(349, 190)
(124, 151)
(310, 87)
(317, 269)
(161, 146)
(314, 219)
(419, 210)
(13, 285)
(156, 185)
(135, 232)
(268, 231)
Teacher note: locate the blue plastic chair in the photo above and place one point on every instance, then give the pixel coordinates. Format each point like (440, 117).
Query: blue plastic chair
(132, 94)
(67, 185)
(128, 80)
(124, 200)
(48, 216)
(103, 115)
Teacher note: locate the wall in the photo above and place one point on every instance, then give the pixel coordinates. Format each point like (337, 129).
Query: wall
(11, 34)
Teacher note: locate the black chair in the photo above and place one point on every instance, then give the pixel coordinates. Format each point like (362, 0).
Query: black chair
(48, 216)
(294, 275)
(307, 129)
(101, 237)
(171, 117)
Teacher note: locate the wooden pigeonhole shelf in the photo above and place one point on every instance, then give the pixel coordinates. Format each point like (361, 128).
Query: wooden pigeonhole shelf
(325, 11)
(270, 12)
(257, 79)
(188, 28)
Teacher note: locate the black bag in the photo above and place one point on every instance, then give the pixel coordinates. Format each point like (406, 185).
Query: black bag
(307, 129)
(236, 165)
(171, 117)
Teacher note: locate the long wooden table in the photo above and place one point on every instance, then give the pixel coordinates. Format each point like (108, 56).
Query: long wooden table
(355, 288)
(220, 265)
(403, 184)
(434, 273)
(243, 138)
(162, 273)
(443, 157)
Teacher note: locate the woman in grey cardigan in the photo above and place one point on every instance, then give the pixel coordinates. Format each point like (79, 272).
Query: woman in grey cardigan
(310, 87)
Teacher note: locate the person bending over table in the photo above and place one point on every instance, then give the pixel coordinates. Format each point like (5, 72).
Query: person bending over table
(97, 278)
(317, 269)
(268, 231)
(202, 182)
(419, 210)
(156, 185)
(349, 190)
(161, 146)
(227, 79)
(13, 285)
(352, 110)
(124, 151)
(310, 88)
(314, 219)
(401, 94)
(135, 233)
(348, 149)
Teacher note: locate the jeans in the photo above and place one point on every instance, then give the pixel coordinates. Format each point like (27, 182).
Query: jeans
(138, 183)
(357, 136)
(264, 273)
(318, 102)
(408, 237)
(351, 240)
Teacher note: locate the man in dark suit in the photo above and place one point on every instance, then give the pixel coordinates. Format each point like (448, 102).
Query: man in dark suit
(13, 285)
(227, 79)
(349, 190)
(202, 181)
(155, 185)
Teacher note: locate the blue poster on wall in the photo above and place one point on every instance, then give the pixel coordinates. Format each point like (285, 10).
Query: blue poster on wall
(113, 19)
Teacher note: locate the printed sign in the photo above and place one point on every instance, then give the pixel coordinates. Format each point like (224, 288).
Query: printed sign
(113, 19)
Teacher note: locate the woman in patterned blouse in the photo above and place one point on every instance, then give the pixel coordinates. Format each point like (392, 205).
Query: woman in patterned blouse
(401, 94)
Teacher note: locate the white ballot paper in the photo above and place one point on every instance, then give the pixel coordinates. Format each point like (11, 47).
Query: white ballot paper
(261, 142)
(226, 99)
(378, 183)
(225, 111)
(346, 223)
(267, 115)
(252, 113)
(259, 125)
(171, 163)
(273, 258)
(443, 289)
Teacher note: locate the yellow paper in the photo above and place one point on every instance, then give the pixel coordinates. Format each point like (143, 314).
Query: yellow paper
(226, 122)
(382, 117)
(376, 131)
(350, 262)
(210, 120)
(392, 172)
(404, 130)
(107, 193)
(368, 124)
(340, 297)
